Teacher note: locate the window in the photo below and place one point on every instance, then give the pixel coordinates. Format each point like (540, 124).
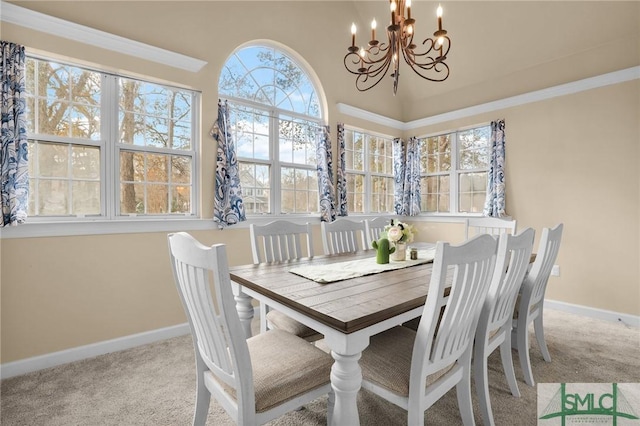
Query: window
(106, 146)
(454, 169)
(275, 120)
(369, 172)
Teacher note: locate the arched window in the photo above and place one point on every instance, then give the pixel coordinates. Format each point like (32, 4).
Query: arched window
(275, 115)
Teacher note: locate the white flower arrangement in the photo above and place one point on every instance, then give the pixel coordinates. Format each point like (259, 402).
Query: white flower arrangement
(399, 232)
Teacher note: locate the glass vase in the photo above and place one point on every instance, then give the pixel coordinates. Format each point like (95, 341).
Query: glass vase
(401, 252)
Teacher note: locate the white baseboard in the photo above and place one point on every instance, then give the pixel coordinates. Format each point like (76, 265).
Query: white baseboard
(16, 368)
(586, 311)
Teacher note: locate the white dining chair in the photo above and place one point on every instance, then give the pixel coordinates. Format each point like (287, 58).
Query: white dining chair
(255, 380)
(530, 304)
(343, 236)
(413, 369)
(375, 227)
(489, 225)
(494, 326)
(281, 241)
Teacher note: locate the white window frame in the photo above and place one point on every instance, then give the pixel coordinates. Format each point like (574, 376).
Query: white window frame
(274, 162)
(367, 173)
(454, 172)
(110, 148)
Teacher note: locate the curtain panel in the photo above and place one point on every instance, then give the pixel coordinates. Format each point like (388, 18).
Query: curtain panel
(14, 166)
(325, 175)
(228, 207)
(342, 175)
(495, 203)
(406, 174)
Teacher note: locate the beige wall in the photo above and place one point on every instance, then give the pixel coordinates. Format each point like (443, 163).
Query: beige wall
(571, 159)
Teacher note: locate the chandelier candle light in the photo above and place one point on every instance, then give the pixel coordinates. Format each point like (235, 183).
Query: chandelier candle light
(371, 63)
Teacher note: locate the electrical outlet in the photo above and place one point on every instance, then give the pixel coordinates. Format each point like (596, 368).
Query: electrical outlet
(555, 271)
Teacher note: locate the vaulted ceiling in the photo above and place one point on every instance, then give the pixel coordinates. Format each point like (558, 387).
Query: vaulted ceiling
(505, 42)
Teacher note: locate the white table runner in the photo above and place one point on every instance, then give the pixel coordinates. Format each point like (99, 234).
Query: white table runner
(358, 268)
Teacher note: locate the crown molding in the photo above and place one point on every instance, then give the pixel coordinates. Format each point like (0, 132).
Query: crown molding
(370, 116)
(615, 77)
(23, 17)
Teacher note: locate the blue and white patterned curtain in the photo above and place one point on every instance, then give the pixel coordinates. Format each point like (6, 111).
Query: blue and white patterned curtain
(494, 205)
(325, 175)
(342, 176)
(406, 174)
(14, 165)
(228, 208)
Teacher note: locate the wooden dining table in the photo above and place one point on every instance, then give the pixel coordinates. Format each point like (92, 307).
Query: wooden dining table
(347, 312)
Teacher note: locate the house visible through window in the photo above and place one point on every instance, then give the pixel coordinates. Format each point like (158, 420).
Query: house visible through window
(369, 172)
(103, 145)
(275, 120)
(454, 169)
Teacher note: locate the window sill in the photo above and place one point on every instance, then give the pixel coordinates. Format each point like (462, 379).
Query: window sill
(98, 227)
(102, 227)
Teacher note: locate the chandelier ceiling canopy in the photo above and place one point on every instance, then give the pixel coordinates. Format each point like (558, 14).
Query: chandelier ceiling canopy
(371, 63)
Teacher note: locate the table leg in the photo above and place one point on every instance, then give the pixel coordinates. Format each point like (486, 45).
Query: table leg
(346, 378)
(245, 311)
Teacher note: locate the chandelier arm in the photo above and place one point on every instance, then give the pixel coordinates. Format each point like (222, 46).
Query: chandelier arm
(373, 76)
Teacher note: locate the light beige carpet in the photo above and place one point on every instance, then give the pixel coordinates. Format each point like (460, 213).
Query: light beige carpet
(155, 384)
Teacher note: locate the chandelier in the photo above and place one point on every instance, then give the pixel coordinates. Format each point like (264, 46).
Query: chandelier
(371, 63)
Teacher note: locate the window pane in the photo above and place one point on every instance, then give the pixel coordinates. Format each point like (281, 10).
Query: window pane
(297, 141)
(147, 196)
(180, 199)
(474, 148)
(436, 196)
(85, 162)
(53, 197)
(381, 194)
(354, 151)
(380, 155)
(435, 155)
(153, 115)
(86, 198)
(181, 169)
(132, 198)
(157, 199)
(63, 100)
(250, 130)
(53, 160)
(255, 183)
(472, 192)
(269, 76)
(64, 179)
(355, 193)
(299, 188)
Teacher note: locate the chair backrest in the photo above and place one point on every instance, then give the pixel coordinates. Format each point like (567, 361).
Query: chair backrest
(341, 236)
(459, 284)
(280, 241)
(535, 283)
(489, 225)
(218, 336)
(375, 227)
(512, 262)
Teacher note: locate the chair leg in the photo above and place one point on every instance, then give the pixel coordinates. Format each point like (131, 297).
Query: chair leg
(415, 416)
(522, 337)
(203, 398)
(539, 330)
(463, 392)
(507, 365)
(264, 309)
(482, 381)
